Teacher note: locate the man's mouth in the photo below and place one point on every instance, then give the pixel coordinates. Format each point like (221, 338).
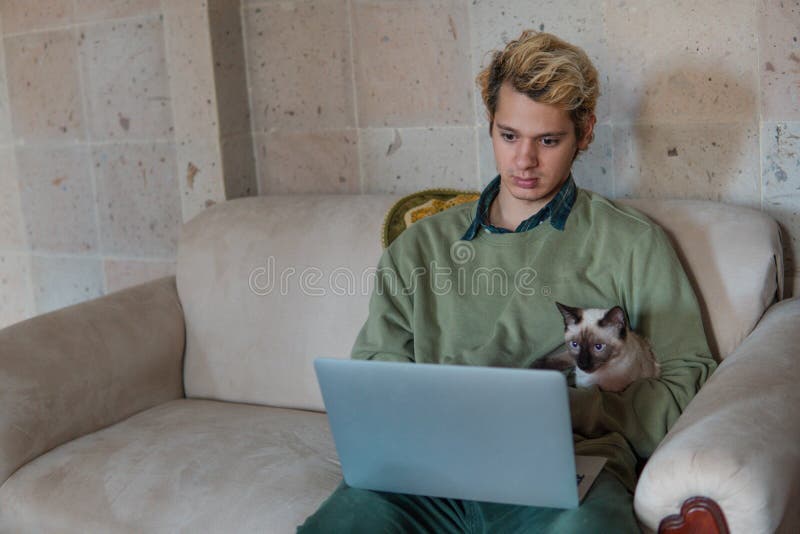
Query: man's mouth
(525, 183)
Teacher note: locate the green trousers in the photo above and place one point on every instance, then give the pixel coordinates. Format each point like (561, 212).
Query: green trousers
(607, 508)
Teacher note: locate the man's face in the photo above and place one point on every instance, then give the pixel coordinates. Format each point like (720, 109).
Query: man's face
(534, 146)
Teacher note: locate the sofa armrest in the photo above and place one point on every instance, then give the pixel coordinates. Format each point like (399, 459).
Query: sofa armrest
(76, 370)
(737, 441)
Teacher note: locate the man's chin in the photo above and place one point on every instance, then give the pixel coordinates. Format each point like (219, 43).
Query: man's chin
(529, 195)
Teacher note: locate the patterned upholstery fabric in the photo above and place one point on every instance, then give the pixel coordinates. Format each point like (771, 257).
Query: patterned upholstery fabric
(414, 207)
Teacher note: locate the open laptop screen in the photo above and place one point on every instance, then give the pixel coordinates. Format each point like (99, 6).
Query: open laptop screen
(466, 432)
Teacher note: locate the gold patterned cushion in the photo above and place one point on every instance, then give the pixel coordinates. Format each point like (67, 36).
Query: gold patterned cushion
(421, 204)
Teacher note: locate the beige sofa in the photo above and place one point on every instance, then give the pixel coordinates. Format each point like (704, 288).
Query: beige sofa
(193, 406)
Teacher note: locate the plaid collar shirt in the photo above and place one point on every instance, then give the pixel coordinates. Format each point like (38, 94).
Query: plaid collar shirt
(557, 210)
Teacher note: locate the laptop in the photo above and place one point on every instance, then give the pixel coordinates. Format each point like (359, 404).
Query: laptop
(462, 432)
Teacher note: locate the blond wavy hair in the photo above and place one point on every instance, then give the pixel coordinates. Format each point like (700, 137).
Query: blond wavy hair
(546, 69)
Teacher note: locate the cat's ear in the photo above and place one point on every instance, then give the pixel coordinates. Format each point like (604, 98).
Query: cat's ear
(615, 317)
(571, 315)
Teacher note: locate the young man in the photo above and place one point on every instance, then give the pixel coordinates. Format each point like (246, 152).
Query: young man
(573, 246)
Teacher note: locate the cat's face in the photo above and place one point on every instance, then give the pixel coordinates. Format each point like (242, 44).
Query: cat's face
(593, 336)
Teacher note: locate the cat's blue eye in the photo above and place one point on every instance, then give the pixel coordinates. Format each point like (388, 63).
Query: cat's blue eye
(573, 344)
(599, 346)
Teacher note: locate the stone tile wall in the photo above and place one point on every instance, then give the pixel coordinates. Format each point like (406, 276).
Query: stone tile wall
(699, 100)
(121, 118)
(110, 137)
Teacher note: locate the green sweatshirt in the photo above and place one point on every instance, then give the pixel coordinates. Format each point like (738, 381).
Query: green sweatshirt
(491, 301)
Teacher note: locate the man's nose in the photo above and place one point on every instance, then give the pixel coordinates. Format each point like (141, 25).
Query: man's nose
(526, 154)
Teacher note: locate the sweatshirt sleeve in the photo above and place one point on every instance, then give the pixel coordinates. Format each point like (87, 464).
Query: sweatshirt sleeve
(662, 306)
(387, 334)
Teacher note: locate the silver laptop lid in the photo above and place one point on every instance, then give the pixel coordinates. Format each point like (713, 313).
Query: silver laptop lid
(465, 432)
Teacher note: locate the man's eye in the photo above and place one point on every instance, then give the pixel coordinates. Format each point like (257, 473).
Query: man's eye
(549, 141)
(507, 136)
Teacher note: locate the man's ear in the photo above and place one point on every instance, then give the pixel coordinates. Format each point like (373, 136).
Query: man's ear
(588, 132)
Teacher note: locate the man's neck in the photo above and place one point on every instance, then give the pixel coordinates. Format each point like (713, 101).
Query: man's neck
(509, 212)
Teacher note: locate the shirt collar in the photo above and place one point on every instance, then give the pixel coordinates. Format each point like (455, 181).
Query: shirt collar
(557, 210)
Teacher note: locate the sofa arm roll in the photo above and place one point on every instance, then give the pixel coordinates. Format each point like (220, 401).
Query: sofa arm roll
(76, 370)
(737, 441)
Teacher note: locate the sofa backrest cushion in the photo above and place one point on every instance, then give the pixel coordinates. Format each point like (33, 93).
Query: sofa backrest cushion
(733, 257)
(270, 283)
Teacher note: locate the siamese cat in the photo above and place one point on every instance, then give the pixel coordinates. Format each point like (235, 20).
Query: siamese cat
(602, 348)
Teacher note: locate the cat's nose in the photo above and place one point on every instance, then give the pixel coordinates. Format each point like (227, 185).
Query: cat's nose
(584, 362)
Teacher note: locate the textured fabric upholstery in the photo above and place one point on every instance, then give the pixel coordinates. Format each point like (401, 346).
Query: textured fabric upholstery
(266, 285)
(184, 466)
(257, 346)
(76, 370)
(737, 441)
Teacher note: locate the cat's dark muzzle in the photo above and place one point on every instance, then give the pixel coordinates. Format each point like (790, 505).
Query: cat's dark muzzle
(584, 362)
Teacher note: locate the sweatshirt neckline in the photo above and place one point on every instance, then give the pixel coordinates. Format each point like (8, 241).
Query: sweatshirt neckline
(540, 232)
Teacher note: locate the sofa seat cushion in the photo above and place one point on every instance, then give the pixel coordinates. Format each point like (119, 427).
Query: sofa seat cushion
(186, 465)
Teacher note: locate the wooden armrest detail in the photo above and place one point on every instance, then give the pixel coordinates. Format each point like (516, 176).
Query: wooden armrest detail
(699, 515)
